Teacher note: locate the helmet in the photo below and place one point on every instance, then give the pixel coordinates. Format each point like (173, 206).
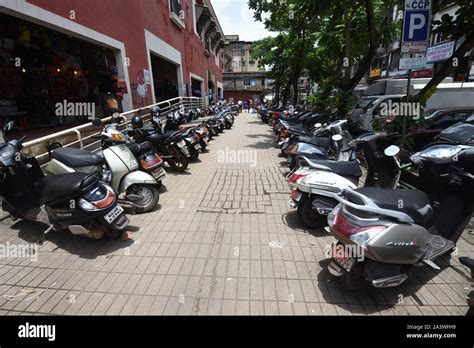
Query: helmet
(155, 111)
(137, 122)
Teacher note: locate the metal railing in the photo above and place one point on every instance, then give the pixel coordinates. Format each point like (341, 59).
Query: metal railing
(81, 136)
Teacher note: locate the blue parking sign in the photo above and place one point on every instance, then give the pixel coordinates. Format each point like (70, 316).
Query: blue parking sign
(416, 25)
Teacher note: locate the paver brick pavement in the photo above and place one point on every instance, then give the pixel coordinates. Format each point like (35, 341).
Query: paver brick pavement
(222, 241)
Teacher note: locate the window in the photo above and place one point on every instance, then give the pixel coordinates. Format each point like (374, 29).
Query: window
(252, 63)
(176, 13)
(448, 119)
(236, 53)
(236, 63)
(250, 82)
(175, 7)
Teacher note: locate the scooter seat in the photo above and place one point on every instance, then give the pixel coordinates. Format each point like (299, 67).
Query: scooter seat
(157, 138)
(414, 203)
(64, 186)
(468, 262)
(317, 141)
(76, 158)
(344, 168)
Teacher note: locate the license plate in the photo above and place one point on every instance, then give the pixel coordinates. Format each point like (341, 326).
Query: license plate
(157, 173)
(113, 214)
(197, 146)
(342, 258)
(182, 143)
(280, 142)
(295, 195)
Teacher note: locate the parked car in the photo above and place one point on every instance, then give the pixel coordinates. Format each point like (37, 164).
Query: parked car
(435, 123)
(460, 133)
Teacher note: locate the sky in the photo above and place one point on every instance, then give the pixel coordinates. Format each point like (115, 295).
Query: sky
(235, 17)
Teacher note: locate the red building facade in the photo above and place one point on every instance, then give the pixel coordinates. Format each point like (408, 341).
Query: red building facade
(152, 49)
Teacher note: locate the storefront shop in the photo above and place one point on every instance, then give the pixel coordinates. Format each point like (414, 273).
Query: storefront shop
(41, 68)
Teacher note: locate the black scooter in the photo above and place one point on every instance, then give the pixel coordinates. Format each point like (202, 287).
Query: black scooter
(79, 202)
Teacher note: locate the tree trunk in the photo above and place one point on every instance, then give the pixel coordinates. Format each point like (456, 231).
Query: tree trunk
(297, 69)
(277, 93)
(286, 92)
(347, 43)
(447, 66)
(374, 39)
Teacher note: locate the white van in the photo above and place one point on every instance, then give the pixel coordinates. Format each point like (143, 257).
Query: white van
(448, 96)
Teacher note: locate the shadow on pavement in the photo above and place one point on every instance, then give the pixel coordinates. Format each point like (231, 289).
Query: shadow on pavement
(369, 300)
(87, 248)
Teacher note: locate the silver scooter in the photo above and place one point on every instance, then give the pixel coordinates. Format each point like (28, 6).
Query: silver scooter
(394, 230)
(122, 168)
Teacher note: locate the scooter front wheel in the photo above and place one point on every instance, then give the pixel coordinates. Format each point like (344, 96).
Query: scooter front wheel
(149, 200)
(309, 216)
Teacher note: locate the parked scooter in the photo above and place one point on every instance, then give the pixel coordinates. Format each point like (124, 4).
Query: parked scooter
(169, 145)
(140, 188)
(320, 146)
(176, 119)
(398, 229)
(316, 182)
(78, 202)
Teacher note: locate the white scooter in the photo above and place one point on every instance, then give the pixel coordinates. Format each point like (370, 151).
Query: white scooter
(316, 183)
(122, 172)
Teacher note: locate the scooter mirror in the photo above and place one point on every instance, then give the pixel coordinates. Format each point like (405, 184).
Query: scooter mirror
(8, 127)
(336, 137)
(97, 122)
(391, 151)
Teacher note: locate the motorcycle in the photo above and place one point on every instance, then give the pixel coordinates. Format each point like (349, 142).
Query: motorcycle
(397, 229)
(316, 182)
(176, 120)
(140, 187)
(78, 202)
(169, 145)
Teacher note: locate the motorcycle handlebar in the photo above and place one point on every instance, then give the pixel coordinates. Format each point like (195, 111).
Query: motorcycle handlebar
(22, 139)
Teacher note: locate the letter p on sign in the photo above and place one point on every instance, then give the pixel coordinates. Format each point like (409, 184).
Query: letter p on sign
(416, 25)
(417, 22)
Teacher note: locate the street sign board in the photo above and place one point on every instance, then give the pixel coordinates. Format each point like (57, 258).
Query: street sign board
(413, 63)
(416, 26)
(414, 47)
(439, 53)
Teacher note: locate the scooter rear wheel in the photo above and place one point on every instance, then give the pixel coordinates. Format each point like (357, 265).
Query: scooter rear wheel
(308, 216)
(178, 162)
(194, 154)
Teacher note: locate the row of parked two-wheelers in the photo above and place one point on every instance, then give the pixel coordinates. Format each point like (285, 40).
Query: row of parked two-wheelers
(90, 194)
(395, 229)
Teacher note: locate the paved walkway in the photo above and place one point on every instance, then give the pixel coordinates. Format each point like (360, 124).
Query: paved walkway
(223, 241)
